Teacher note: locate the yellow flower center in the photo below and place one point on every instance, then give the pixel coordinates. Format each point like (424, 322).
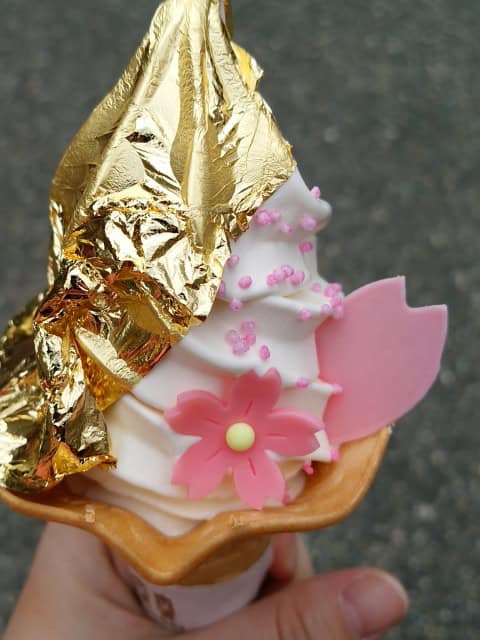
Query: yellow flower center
(240, 436)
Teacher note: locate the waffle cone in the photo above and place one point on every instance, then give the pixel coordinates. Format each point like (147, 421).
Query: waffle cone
(228, 544)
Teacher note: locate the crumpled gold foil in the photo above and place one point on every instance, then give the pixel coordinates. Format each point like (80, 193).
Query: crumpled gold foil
(163, 174)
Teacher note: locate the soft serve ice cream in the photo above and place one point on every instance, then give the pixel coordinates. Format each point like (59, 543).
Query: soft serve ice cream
(269, 305)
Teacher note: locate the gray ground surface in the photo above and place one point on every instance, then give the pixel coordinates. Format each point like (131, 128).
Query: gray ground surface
(381, 101)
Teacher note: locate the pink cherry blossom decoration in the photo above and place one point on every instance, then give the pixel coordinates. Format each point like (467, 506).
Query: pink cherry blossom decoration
(383, 353)
(250, 402)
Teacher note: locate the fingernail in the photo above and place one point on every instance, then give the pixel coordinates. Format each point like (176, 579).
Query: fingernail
(373, 603)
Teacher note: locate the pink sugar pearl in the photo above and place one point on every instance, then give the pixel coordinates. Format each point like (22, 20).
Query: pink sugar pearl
(245, 282)
(285, 228)
(233, 261)
(334, 455)
(240, 348)
(271, 280)
(232, 337)
(297, 278)
(263, 218)
(304, 314)
(279, 274)
(249, 326)
(338, 313)
(306, 247)
(316, 193)
(308, 222)
(287, 270)
(236, 304)
(332, 289)
(264, 352)
(250, 339)
(308, 468)
(302, 383)
(275, 216)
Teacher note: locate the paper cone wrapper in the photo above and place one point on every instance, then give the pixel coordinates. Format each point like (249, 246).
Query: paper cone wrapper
(186, 607)
(219, 551)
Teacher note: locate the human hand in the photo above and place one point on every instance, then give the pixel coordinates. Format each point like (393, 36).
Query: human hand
(74, 592)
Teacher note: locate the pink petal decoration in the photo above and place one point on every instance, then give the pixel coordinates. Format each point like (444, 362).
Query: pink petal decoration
(249, 399)
(201, 455)
(384, 354)
(258, 478)
(291, 432)
(196, 413)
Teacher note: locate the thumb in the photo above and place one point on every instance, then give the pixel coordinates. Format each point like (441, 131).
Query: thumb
(346, 605)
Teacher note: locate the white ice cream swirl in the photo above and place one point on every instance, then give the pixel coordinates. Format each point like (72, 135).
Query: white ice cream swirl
(269, 306)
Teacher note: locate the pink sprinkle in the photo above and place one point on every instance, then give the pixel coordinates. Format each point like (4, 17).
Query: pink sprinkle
(297, 278)
(279, 275)
(263, 218)
(240, 348)
(334, 455)
(286, 499)
(287, 270)
(306, 247)
(337, 389)
(302, 383)
(285, 228)
(249, 326)
(245, 282)
(316, 287)
(236, 304)
(308, 222)
(232, 337)
(304, 314)
(275, 216)
(250, 339)
(264, 352)
(338, 313)
(271, 280)
(222, 289)
(308, 468)
(316, 193)
(233, 261)
(332, 289)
